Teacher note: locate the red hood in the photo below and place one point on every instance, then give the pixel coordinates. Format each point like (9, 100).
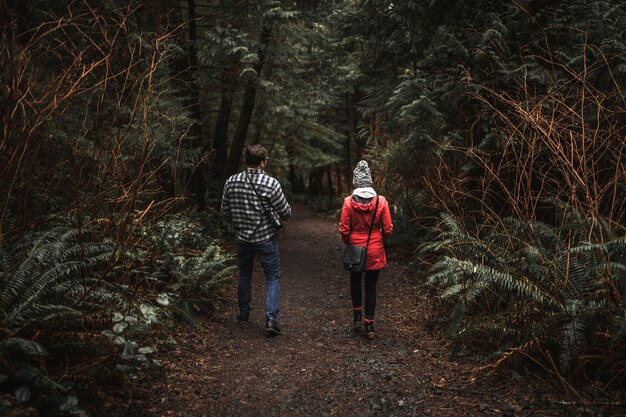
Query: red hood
(369, 207)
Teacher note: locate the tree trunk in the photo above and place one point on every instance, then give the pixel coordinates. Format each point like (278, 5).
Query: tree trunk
(316, 182)
(220, 137)
(247, 108)
(339, 182)
(296, 179)
(351, 135)
(197, 183)
(329, 174)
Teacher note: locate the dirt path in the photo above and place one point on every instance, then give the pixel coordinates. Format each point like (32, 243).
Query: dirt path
(318, 367)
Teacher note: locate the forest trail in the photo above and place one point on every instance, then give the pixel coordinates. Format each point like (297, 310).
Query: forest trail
(318, 367)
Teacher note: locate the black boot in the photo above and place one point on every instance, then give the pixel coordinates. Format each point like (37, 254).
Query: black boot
(369, 329)
(358, 320)
(271, 327)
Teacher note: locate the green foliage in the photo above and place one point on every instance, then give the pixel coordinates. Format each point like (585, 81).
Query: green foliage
(195, 279)
(296, 115)
(178, 232)
(58, 276)
(300, 96)
(103, 115)
(52, 284)
(101, 130)
(28, 383)
(183, 259)
(129, 329)
(517, 282)
(422, 62)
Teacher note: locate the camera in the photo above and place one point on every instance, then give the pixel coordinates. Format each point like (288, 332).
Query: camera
(274, 218)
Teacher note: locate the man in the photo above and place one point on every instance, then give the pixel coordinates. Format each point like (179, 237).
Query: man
(246, 195)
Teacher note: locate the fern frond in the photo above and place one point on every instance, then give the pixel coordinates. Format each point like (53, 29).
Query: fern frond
(446, 277)
(456, 318)
(50, 312)
(452, 291)
(572, 336)
(55, 274)
(196, 277)
(12, 346)
(185, 310)
(618, 333)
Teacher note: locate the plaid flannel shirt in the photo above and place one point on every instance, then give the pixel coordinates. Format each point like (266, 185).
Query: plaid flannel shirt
(242, 207)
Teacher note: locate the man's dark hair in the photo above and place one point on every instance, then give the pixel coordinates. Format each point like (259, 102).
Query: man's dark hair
(255, 154)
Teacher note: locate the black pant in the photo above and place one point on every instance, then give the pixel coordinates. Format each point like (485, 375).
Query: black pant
(371, 277)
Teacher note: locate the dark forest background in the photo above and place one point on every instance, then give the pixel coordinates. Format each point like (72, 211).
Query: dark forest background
(495, 128)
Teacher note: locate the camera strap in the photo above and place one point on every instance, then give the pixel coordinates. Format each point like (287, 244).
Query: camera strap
(265, 208)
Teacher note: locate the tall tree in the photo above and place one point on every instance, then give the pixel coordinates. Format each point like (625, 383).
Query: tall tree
(249, 97)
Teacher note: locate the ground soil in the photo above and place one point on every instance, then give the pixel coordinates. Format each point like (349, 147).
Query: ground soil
(319, 366)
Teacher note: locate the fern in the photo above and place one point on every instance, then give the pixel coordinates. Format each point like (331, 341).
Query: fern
(57, 274)
(513, 270)
(18, 347)
(197, 277)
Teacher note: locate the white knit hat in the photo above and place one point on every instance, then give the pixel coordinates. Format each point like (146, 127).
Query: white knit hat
(362, 176)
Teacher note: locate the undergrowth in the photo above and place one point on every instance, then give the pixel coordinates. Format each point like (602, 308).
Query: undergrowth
(526, 290)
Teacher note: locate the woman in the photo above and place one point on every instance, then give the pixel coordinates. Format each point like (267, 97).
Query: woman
(356, 218)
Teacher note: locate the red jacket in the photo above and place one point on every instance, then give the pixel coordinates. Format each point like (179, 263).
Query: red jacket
(355, 224)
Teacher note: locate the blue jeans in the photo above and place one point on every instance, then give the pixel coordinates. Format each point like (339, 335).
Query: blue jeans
(270, 260)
